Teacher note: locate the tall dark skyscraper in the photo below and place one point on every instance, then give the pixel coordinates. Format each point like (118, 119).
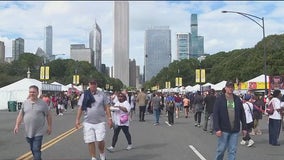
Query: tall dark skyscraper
(48, 41)
(197, 42)
(18, 47)
(95, 43)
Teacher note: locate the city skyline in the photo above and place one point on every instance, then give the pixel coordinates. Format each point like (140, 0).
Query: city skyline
(72, 22)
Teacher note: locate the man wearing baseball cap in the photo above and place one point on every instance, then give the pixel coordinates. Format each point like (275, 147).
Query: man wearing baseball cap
(96, 108)
(228, 112)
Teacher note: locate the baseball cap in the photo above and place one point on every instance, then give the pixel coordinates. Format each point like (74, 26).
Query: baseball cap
(229, 84)
(247, 97)
(93, 81)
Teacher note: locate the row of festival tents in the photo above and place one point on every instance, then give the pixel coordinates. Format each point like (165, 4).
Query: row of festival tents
(18, 91)
(217, 87)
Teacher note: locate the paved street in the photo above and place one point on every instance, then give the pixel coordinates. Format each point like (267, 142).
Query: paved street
(182, 141)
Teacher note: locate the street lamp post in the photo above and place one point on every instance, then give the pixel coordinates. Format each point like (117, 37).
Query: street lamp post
(253, 18)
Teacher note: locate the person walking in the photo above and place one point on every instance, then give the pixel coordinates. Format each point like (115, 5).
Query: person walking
(274, 123)
(228, 112)
(209, 101)
(121, 111)
(35, 113)
(199, 107)
(259, 107)
(141, 102)
(186, 103)
(96, 108)
(170, 106)
(156, 102)
(248, 108)
(178, 104)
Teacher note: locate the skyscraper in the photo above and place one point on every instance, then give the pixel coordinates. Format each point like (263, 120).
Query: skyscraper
(2, 52)
(132, 73)
(183, 45)
(157, 50)
(79, 52)
(48, 41)
(18, 47)
(197, 42)
(95, 43)
(121, 41)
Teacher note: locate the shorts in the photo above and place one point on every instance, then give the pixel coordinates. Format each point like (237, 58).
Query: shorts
(94, 132)
(60, 106)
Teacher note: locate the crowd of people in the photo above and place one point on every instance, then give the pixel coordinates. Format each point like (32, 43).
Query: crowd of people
(225, 115)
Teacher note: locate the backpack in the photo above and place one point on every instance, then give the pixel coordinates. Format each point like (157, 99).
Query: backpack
(270, 109)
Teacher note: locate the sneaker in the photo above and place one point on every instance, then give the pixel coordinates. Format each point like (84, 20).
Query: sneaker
(102, 156)
(94, 158)
(250, 143)
(243, 142)
(111, 149)
(155, 124)
(129, 147)
(198, 125)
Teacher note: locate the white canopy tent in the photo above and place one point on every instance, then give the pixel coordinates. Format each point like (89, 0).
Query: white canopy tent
(18, 91)
(63, 87)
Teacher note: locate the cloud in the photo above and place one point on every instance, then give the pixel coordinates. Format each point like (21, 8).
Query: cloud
(73, 20)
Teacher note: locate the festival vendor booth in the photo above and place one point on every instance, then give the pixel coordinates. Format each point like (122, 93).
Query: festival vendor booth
(255, 85)
(14, 94)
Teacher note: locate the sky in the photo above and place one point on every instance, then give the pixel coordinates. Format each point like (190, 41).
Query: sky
(73, 20)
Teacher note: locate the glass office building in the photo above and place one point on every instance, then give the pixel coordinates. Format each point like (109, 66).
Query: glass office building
(157, 50)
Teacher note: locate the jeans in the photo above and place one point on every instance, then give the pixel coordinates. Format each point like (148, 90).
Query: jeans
(157, 113)
(208, 117)
(197, 117)
(116, 131)
(274, 127)
(35, 146)
(142, 110)
(227, 141)
(171, 117)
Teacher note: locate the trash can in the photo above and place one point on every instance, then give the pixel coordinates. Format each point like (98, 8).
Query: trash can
(12, 106)
(20, 105)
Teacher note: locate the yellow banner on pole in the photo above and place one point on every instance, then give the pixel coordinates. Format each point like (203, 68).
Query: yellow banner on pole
(202, 75)
(197, 75)
(42, 73)
(46, 72)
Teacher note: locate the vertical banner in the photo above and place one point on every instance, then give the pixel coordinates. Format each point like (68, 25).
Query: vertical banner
(46, 72)
(197, 76)
(76, 79)
(180, 81)
(202, 76)
(42, 73)
(168, 84)
(176, 81)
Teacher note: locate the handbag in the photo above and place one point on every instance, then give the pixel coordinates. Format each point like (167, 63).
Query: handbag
(123, 118)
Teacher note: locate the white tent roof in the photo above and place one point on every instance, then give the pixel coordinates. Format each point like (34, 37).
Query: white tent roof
(63, 87)
(208, 84)
(259, 79)
(196, 87)
(22, 85)
(219, 86)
